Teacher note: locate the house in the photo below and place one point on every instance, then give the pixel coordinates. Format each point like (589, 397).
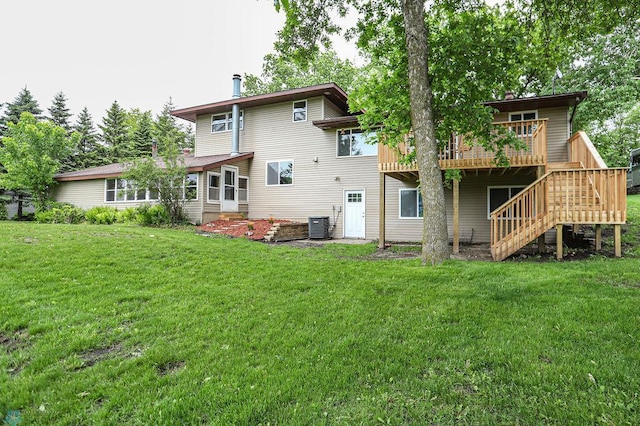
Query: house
(299, 153)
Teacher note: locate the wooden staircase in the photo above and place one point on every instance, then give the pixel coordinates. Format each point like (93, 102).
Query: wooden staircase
(572, 195)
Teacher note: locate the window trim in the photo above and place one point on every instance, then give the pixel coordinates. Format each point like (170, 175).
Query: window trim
(511, 195)
(306, 111)
(400, 191)
(266, 173)
(522, 113)
(240, 189)
(209, 200)
(126, 190)
(197, 187)
(365, 135)
(228, 121)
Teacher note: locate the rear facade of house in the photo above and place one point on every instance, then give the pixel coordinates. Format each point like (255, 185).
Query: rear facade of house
(299, 153)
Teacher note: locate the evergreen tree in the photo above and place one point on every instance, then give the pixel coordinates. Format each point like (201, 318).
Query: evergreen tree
(115, 134)
(168, 131)
(59, 113)
(88, 152)
(24, 102)
(143, 135)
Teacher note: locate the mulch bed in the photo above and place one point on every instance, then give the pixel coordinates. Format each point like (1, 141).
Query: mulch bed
(240, 228)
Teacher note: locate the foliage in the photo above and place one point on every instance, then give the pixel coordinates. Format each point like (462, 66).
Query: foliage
(279, 73)
(152, 215)
(24, 102)
(169, 133)
(165, 178)
(115, 134)
(129, 321)
(88, 152)
(102, 215)
(4, 200)
(32, 154)
(61, 213)
(59, 113)
(141, 132)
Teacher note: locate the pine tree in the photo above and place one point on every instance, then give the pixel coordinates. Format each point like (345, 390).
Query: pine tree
(88, 152)
(143, 135)
(115, 134)
(167, 131)
(59, 113)
(24, 102)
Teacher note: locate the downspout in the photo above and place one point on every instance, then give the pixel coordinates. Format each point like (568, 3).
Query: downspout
(235, 114)
(573, 112)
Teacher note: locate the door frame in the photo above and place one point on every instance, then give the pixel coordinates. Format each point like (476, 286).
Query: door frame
(230, 206)
(345, 194)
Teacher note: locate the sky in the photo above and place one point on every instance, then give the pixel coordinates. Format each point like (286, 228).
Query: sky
(138, 52)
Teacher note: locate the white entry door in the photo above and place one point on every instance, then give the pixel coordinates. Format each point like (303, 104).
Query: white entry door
(354, 214)
(229, 189)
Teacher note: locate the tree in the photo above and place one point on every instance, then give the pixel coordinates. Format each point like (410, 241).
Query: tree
(115, 134)
(59, 113)
(24, 102)
(165, 178)
(279, 73)
(168, 132)
(31, 154)
(140, 126)
(381, 24)
(88, 152)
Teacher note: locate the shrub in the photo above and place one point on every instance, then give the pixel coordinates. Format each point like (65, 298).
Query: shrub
(127, 215)
(4, 215)
(152, 215)
(102, 215)
(61, 213)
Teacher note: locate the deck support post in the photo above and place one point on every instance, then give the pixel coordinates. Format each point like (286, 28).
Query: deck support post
(559, 241)
(456, 216)
(381, 225)
(598, 242)
(617, 240)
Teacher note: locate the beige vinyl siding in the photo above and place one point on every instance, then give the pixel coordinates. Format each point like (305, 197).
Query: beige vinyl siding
(557, 133)
(215, 143)
(272, 135)
(330, 110)
(396, 229)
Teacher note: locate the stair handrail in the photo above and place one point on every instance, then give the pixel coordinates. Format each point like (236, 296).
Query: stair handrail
(582, 149)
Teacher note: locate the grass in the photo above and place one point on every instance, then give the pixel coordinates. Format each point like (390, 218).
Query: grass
(131, 325)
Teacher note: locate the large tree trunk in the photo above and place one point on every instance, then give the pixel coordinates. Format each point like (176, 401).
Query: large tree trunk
(435, 240)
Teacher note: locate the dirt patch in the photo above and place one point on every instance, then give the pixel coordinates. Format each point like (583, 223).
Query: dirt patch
(13, 342)
(171, 367)
(254, 229)
(93, 356)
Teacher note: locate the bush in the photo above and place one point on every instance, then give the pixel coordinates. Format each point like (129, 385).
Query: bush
(127, 215)
(61, 213)
(3, 211)
(102, 215)
(152, 215)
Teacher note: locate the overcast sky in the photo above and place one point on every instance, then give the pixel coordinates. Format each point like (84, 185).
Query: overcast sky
(138, 52)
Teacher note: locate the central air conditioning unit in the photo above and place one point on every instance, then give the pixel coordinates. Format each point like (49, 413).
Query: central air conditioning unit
(319, 227)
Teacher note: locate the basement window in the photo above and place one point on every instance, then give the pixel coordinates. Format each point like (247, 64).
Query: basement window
(300, 111)
(224, 122)
(498, 195)
(411, 204)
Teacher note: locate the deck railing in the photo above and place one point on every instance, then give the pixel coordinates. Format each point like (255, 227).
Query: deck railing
(461, 152)
(581, 149)
(580, 196)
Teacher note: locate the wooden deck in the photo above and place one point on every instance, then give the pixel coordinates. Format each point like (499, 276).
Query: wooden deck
(464, 154)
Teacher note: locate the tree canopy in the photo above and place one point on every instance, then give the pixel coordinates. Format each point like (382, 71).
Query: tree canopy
(24, 102)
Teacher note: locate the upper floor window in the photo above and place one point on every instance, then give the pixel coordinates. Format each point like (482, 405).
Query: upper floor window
(300, 111)
(280, 172)
(524, 128)
(353, 143)
(410, 203)
(224, 122)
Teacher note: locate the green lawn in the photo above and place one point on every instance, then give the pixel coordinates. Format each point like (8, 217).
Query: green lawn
(131, 325)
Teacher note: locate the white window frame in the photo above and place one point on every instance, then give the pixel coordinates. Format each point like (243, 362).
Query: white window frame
(305, 109)
(365, 136)
(228, 121)
(197, 186)
(511, 195)
(240, 201)
(419, 196)
(531, 129)
(210, 200)
(266, 177)
(128, 189)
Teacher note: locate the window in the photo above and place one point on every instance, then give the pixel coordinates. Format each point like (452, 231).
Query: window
(191, 187)
(213, 191)
(523, 129)
(224, 122)
(300, 111)
(243, 189)
(280, 172)
(353, 143)
(117, 189)
(410, 203)
(498, 195)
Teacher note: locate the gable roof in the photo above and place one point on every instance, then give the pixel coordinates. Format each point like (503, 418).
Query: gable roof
(193, 164)
(331, 91)
(536, 102)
